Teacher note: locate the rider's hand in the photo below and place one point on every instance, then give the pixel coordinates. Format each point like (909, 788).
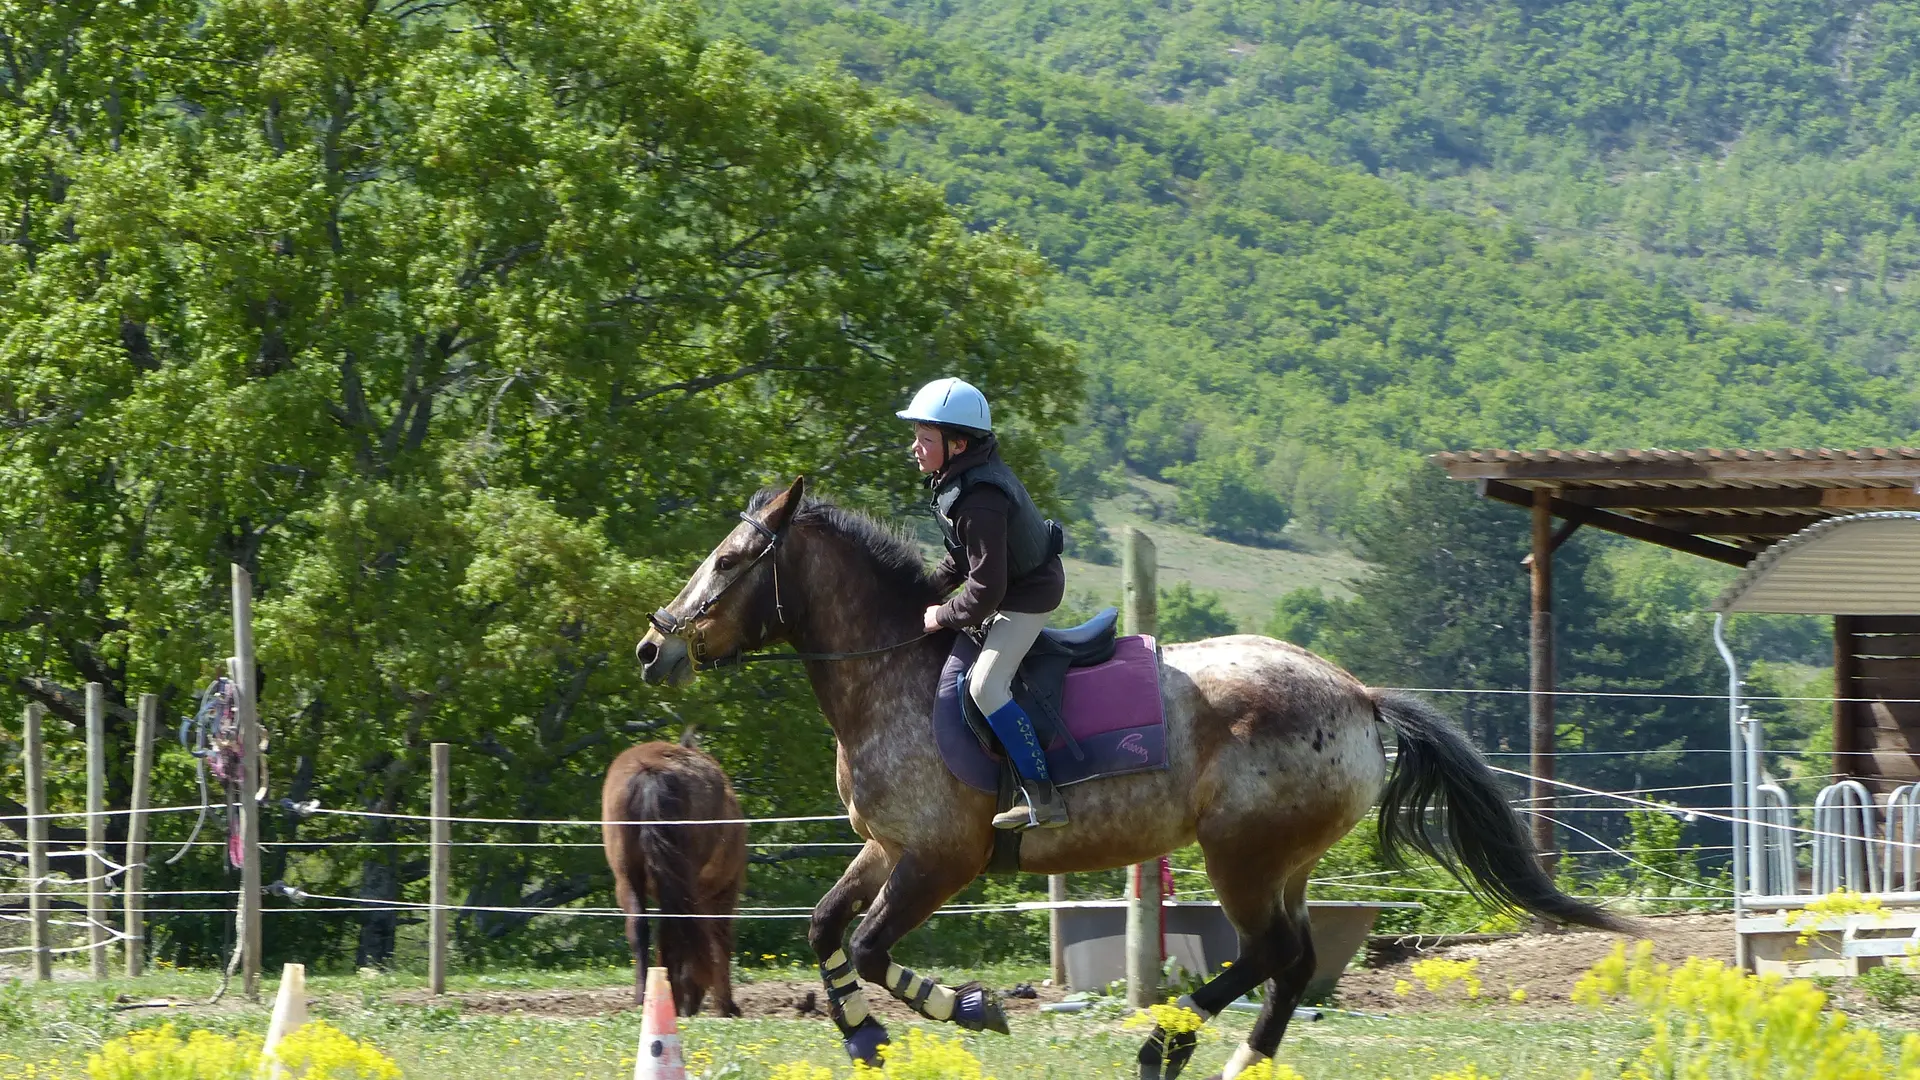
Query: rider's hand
(931, 620)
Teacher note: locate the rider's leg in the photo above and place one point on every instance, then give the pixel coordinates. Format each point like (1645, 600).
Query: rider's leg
(1009, 636)
(846, 1001)
(915, 890)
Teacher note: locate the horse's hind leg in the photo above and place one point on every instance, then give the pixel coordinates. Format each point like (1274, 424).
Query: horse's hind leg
(1165, 1054)
(1274, 946)
(721, 943)
(915, 890)
(846, 1001)
(1287, 945)
(629, 890)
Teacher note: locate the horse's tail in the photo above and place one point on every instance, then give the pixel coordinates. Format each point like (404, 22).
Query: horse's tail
(658, 795)
(1444, 802)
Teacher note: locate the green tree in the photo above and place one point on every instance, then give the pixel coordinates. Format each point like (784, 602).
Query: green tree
(1446, 609)
(1187, 614)
(464, 327)
(1301, 616)
(1227, 497)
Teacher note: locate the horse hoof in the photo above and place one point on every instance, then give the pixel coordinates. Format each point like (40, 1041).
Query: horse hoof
(864, 1044)
(1180, 1050)
(977, 1008)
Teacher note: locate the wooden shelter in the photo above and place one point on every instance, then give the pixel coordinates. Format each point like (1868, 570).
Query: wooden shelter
(1728, 506)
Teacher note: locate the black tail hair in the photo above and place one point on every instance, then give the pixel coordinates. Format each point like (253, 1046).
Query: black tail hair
(1444, 802)
(656, 796)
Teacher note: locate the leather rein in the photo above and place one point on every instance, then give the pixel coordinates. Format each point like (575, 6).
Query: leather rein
(685, 628)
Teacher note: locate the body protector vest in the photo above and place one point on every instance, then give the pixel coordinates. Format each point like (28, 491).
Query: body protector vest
(1031, 539)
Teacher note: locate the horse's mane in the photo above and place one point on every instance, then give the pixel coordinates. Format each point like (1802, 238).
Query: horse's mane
(893, 553)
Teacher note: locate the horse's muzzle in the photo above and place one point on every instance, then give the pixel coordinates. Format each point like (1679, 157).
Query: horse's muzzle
(663, 659)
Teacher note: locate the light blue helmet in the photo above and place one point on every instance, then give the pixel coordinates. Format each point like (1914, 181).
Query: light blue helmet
(950, 403)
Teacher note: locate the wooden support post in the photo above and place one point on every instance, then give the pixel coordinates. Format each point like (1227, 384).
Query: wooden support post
(99, 933)
(240, 669)
(442, 850)
(34, 747)
(1846, 669)
(1540, 701)
(1143, 881)
(1056, 947)
(136, 880)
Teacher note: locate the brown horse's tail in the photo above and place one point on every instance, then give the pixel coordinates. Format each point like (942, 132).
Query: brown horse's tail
(1445, 803)
(655, 795)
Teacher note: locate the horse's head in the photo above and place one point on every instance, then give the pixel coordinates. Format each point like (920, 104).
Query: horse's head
(730, 604)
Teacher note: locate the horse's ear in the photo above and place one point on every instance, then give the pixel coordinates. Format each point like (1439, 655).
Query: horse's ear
(781, 508)
(690, 738)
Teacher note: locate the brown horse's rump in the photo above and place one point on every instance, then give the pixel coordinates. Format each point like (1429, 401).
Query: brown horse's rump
(692, 874)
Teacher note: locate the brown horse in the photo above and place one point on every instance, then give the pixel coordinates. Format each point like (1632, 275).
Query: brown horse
(694, 873)
(1274, 754)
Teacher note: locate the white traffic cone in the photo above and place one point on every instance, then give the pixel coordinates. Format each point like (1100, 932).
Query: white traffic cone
(289, 1015)
(659, 1057)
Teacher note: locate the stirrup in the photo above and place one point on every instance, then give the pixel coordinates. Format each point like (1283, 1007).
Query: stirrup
(1049, 812)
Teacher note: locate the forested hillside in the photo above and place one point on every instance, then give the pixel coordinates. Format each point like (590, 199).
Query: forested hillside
(1242, 201)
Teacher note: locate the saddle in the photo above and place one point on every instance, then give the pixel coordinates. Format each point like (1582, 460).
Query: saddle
(1039, 685)
(1095, 703)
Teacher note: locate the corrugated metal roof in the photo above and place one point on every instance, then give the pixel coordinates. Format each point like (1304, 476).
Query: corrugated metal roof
(1862, 564)
(1677, 457)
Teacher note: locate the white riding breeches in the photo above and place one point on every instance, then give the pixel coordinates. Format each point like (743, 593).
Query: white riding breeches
(1009, 635)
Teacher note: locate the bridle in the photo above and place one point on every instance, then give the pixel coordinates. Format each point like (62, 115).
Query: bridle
(686, 627)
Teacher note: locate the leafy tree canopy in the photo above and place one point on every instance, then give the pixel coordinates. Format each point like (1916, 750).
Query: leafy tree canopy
(462, 326)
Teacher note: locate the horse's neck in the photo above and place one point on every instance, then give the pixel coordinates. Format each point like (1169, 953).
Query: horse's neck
(848, 609)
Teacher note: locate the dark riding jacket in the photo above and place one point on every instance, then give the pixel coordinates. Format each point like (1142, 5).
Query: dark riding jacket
(999, 551)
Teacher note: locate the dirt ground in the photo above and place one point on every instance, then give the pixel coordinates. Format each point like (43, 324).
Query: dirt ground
(1546, 965)
(776, 999)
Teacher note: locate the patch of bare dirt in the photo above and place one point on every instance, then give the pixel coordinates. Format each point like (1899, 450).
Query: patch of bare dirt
(1545, 965)
(772, 999)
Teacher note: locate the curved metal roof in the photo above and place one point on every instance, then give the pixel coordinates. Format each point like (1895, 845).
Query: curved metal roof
(1862, 564)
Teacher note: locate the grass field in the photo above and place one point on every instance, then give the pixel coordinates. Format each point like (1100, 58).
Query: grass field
(47, 1032)
(1248, 579)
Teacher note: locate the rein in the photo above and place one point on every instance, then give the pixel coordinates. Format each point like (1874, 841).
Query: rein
(738, 659)
(682, 626)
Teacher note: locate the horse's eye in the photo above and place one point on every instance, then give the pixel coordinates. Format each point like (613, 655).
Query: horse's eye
(724, 563)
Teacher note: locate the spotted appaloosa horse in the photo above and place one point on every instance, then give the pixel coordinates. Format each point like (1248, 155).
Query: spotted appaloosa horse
(693, 873)
(1274, 754)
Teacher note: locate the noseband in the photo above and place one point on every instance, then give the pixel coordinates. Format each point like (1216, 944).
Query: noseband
(686, 627)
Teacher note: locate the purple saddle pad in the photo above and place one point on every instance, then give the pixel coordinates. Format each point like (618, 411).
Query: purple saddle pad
(1113, 711)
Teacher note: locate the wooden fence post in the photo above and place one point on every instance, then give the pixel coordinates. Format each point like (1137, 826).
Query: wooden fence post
(99, 933)
(34, 747)
(240, 669)
(1143, 881)
(441, 865)
(136, 880)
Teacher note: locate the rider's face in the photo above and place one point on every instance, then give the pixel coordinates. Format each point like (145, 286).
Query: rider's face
(928, 450)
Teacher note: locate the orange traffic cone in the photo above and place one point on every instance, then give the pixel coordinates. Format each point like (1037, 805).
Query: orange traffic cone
(659, 1057)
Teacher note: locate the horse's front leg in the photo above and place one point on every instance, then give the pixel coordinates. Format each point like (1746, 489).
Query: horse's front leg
(914, 891)
(846, 1001)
